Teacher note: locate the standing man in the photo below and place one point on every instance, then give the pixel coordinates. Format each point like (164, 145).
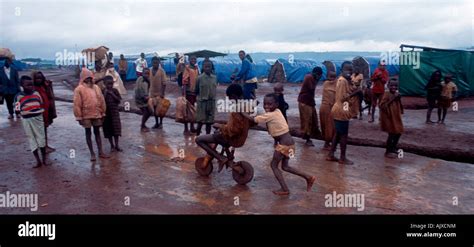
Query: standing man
(307, 106)
(9, 85)
(140, 64)
(123, 68)
(379, 79)
(247, 76)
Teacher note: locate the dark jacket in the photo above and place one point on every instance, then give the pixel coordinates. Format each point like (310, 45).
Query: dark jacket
(12, 85)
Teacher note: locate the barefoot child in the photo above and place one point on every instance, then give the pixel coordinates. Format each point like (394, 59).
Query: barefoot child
(112, 127)
(379, 79)
(342, 113)
(391, 111)
(190, 74)
(206, 85)
(433, 94)
(285, 145)
(89, 110)
(45, 89)
(141, 97)
(447, 95)
(30, 105)
(326, 118)
(234, 133)
(357, 78)
(282, 105)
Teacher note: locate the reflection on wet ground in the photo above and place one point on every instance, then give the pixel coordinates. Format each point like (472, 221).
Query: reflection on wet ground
(156, 173)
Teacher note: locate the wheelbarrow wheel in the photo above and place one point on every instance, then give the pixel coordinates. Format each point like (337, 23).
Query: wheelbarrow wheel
(203, 171)
(243, 175)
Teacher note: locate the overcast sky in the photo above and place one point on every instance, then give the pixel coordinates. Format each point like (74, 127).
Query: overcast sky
(38, 28)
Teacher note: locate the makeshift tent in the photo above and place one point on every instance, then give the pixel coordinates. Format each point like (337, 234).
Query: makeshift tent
(277, 73)
(363, 65)
(166, 63)
(459, 63)
(205, 53)
(297, 69)
(293, 71)
(225, 67)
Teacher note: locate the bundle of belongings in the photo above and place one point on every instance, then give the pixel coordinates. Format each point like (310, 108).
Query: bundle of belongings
(6, 53)
(106, 67)
(118, 83)
(162, 106)
(185, 111)
(100, 54)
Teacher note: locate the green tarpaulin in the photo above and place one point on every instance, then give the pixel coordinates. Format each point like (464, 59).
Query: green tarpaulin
(458, 63)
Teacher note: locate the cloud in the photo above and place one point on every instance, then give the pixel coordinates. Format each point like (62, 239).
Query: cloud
(45, 27)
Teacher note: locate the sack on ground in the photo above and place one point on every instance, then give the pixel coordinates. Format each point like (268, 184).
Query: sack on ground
(185, 111)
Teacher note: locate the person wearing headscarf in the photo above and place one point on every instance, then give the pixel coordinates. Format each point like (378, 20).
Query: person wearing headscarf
(45, 88)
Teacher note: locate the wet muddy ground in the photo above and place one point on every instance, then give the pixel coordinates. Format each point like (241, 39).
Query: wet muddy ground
(452, 141)
(153, 178)
(156, 180)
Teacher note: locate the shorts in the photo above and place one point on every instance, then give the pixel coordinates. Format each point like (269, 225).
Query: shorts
(96, 122)
(342, 127)
(286, 150)
(444, 102)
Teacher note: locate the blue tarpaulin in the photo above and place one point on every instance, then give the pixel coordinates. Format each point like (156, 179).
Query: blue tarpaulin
(16, 64)
(226, 66)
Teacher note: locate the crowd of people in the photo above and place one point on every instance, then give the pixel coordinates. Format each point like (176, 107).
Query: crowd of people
(98, 96)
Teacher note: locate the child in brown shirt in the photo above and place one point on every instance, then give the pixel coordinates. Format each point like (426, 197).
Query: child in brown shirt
(391, 111)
